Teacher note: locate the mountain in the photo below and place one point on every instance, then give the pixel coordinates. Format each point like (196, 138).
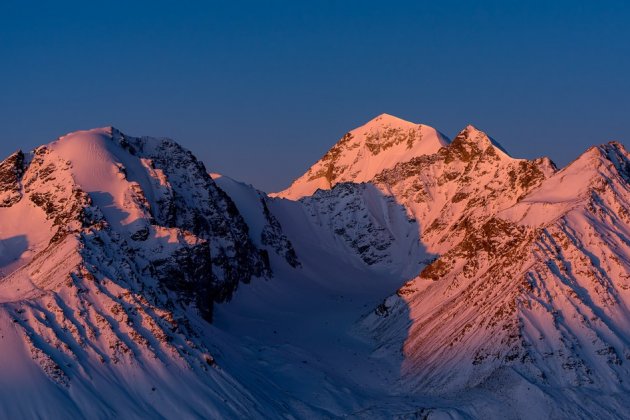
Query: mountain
(526, 287)
(529, 291)
(402, 276)
(114, 250)
(464, 181)
(354, 221)
(364, 152)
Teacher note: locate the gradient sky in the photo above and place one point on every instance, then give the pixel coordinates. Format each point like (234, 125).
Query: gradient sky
(260, 90)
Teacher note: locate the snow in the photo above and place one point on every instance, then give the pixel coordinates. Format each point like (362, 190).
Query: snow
(483, 139)
(99, 170)
(299, 329)
(562, 192)
(20, 377)
(24, 232)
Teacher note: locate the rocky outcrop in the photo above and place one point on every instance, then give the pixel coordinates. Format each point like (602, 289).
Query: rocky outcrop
(367, 224)
(460, 186)
(11, 171)
(273, 237)
(189, 199)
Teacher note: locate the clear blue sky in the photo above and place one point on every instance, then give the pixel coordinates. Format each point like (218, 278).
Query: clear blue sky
(260, 90)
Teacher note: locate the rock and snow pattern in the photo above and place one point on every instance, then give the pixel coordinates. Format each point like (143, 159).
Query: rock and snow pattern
(403, 275)
(364, 152)
(114, 250)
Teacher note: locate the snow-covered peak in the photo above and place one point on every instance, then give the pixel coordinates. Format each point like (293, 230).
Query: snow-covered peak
(366, 151)
(604, 163)
(598, 168)
(97, 167)
(144, 190)
(612, 155)
(105, 130)
(386, 120)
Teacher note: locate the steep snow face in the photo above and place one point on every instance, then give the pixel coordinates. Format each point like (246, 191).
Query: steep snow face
(97, 170)
(359, 221)
(366, 151)
(535, 295)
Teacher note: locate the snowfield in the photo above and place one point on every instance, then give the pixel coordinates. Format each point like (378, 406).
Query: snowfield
(404, 275)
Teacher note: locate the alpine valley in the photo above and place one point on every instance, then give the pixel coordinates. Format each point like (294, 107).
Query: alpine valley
(404, 275)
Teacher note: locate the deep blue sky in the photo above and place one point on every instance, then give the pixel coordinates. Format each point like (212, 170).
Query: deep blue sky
(260, 90)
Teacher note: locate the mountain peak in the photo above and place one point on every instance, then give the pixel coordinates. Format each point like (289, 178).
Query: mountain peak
(595, 170)
(106, 130)
(606, 153)
(366, 151)
(471, 129)
(388, 119)
(477, 139)
(612, 155)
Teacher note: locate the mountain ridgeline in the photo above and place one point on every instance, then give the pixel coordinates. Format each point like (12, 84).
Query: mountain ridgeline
(403, 275)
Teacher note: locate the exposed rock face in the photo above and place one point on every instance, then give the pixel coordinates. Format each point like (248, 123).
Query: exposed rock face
(272, 236)
(345, 209)
(368, 224)
(265, 230)
(187, 198)
(11, 170)
(48, 183)
(460, 185)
